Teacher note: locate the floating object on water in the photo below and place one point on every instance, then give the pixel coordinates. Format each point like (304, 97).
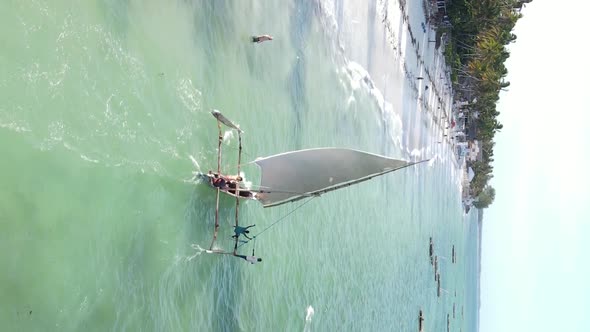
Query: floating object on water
(431, 251)
(420, 321)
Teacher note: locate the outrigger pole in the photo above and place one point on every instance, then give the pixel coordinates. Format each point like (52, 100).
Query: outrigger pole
(238, 187)
(220, 138)
(222, 119)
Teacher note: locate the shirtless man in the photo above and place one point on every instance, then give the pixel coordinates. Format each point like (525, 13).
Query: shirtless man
(224, 181)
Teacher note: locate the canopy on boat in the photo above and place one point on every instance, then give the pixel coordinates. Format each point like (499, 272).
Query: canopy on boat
(290, 176)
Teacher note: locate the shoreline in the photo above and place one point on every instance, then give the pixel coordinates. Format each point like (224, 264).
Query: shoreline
(432, 67)
(396, 47)
(428, 30)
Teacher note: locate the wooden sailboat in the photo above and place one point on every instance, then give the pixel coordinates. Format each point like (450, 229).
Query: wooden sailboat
(294, 175)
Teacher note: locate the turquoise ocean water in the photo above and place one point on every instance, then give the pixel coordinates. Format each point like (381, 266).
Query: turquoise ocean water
(102, 106)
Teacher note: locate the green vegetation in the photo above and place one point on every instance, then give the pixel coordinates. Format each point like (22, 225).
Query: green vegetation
(479, 32)
(485, 198)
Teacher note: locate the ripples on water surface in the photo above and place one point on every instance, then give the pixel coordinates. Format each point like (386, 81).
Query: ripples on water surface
(104, 102)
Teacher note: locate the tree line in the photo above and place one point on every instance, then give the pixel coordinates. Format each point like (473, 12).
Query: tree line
(476, 52)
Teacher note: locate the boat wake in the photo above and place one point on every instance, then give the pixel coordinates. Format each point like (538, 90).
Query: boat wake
(228, 135)
(198, 252)
(354, 77)
(195, 163)
(196, 179)
(309, 312)
(434, 159)
(358, 79)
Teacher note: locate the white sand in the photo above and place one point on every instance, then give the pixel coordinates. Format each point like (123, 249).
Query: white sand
(377, 36)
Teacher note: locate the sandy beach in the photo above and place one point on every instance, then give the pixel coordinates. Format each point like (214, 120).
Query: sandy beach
(396, 47)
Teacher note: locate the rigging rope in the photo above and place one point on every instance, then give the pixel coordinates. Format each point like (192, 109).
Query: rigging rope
(276, 222)
(234, 149)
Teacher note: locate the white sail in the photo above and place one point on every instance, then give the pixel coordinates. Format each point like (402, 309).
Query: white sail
(294, 175)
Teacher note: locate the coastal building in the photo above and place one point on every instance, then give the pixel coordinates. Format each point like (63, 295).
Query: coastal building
(438, 13)
(472, 150)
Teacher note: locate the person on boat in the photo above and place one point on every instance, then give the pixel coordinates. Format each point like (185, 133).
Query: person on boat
(233, 178)
(224, 181)
(249, 259)
(232, 181)
(244, 193)
(219, 182)
(239, 230)
(261, 38)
